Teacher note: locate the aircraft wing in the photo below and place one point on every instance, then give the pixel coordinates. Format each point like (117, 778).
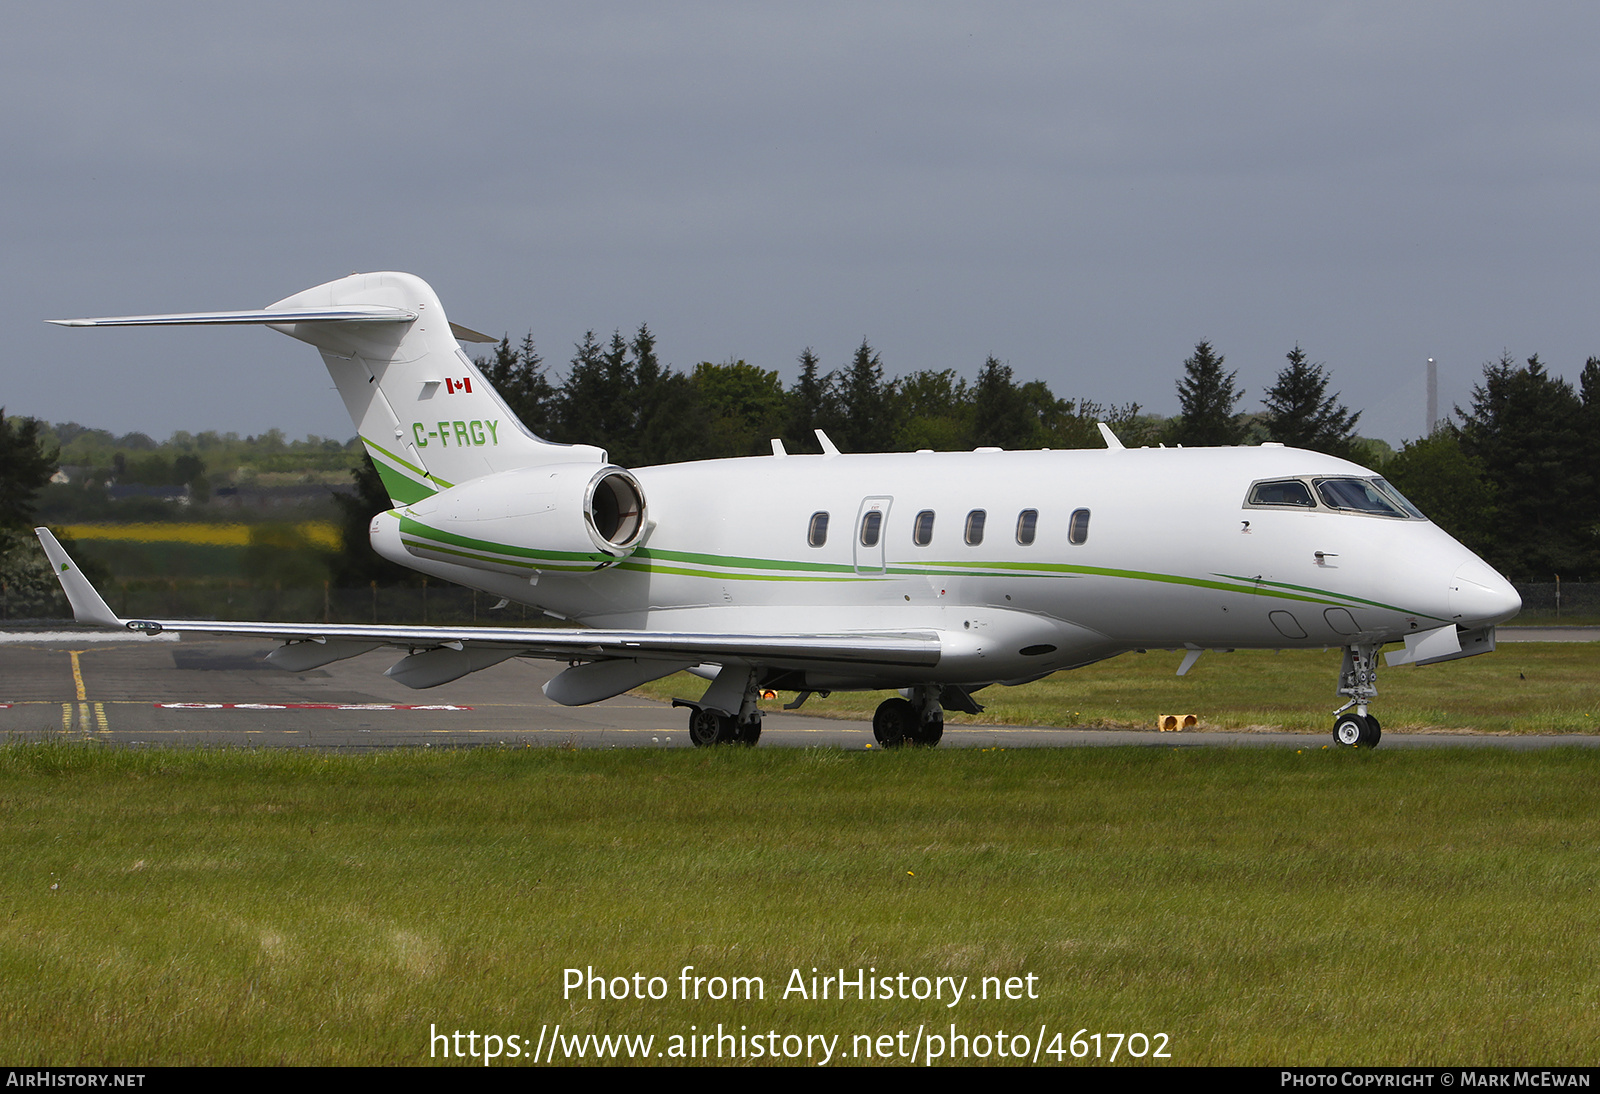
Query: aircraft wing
(437, 655)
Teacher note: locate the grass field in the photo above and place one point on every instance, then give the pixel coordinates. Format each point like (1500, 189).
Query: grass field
(1523, 687)
(1311, 906)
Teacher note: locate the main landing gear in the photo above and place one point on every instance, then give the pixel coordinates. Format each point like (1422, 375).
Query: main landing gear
(710, 720)
(918, 720)
(1358, 678)
(712, 727)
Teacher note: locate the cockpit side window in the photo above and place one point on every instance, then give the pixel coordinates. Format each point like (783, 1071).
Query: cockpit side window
(1290, 492)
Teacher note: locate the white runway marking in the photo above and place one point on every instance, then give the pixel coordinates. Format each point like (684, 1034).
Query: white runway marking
(306, 706)
(57, 638)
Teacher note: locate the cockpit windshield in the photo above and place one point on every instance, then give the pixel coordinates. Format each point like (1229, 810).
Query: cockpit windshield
(1373, 497)
(1361, 495)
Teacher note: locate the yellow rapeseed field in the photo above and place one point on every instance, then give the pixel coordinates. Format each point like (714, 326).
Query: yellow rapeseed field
(320, 533)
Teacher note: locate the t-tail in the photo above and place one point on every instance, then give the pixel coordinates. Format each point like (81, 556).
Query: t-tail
(427, 416)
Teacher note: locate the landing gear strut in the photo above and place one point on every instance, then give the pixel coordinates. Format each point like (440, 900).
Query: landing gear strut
(918, 720)
(1358, 679)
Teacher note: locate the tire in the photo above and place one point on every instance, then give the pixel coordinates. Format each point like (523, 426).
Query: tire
(894, 723)
(707, 728)
(748, 735)
(1356, 731)
(929, 733)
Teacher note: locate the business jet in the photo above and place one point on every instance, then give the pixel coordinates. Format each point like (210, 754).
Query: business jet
(937, 574)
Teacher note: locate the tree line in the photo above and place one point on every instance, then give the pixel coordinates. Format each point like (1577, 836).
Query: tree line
(1513, 476)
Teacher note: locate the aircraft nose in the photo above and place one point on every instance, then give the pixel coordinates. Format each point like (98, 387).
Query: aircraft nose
(1478, 594)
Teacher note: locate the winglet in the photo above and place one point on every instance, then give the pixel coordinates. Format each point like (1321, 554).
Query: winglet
(1111, 438)
(87, 605)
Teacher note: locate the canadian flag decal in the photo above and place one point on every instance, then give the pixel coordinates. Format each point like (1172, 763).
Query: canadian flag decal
(463, 384)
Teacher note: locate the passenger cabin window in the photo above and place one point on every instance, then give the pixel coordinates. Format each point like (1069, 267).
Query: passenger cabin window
(1027, 526)
(974, 532)
(922, 530)
(1078, 528)
(817, 532)
(871, 528)
(1288, 492)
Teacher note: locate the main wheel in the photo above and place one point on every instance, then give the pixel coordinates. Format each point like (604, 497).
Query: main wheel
(894, 722)
(1355, 730)
(929, 732)
(707, 727)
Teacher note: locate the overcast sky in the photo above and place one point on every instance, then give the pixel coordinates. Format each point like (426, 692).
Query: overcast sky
(1083, 190)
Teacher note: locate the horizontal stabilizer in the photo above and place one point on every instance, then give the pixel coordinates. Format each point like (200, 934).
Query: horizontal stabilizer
(344, 313)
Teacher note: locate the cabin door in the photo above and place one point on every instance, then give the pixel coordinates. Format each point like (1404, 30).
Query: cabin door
(871, 530)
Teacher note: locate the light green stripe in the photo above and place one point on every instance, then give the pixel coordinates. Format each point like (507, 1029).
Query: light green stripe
(738, 561)
(408, 465)
(424, 545)
(649, 566)
(412, 526)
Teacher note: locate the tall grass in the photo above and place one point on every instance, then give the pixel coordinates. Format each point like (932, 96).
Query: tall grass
(1311, 906)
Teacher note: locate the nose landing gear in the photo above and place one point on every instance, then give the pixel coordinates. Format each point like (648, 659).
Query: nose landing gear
(1358, 678)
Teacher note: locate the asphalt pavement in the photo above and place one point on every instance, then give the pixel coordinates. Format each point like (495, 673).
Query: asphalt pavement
(171, 691)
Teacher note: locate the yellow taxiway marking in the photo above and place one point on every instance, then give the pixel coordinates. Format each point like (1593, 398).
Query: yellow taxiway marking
(77, 675)
(100, 721)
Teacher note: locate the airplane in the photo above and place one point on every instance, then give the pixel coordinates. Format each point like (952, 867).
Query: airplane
(936, 574)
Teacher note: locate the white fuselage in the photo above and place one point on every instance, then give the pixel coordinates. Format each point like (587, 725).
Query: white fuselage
(1172, 557)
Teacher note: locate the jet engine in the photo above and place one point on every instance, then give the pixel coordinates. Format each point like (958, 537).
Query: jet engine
(553, 517)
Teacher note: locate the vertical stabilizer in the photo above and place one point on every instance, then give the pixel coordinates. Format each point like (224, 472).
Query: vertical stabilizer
(426, 414)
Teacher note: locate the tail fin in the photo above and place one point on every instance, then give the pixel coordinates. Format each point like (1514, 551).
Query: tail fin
(426, 414)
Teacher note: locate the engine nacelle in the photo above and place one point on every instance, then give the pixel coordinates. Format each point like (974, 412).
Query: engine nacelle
(554, 517)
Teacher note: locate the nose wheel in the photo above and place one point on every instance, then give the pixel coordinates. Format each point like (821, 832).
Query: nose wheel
(1358, 679)
(1357, 730)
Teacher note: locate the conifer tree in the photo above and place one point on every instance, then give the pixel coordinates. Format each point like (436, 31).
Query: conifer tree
(811, 405)
(1000, 411)
(1301, 413)
(1524, 428)
(1206, 398)
(865, 406)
